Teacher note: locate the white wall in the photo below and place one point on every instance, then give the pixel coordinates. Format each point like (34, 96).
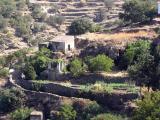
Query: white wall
(159, 8)
(72, 46)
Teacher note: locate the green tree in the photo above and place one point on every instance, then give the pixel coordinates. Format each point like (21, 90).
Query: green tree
(67, 113)
(37, 13)
(80, 26)
(10, 99)
(148, 108)
(29, 72)
(100, 63)
(77, 67)
(21, 114)
(143, 70)
(139, 11)
(133, 51)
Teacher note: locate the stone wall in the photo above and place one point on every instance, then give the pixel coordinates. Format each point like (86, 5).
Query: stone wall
(114, 101)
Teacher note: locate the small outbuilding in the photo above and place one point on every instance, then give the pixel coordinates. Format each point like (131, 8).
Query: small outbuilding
(63, 43)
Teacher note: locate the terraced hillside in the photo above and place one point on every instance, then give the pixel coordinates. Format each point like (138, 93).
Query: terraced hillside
(73, 9)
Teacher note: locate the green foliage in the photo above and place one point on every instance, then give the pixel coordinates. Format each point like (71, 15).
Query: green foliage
(80, 26)
(37, 13)
(55, 20)
(148, 108)
(21, 5)
(22, 25)
(136, 11)
(3, 23)
(29, 72)
(100, 63)
(38, 28)
(85, 111)
(103, 87)
(37, 86)
(11, 99)
(40, 63)
(77, 67)
(107, 116)
(109, 3)
(4, 73)
(132, 53)
(7, 8)
(143, 70)
(40, 60)
(67, 113)
(21, 114)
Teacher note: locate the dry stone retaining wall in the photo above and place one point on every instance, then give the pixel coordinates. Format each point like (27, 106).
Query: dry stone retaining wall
(114, 101)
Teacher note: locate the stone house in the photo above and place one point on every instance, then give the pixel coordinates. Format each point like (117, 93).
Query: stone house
(63, 44)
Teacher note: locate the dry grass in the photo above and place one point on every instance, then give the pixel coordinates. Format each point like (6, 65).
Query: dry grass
(119, 36)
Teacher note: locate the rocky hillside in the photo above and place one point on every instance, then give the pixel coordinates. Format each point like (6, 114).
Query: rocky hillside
(73, 9)
(32, 21)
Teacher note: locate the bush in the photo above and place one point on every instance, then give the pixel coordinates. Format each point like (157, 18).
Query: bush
(77, 67)
(109, 3)
(10, 99)
(107, 116)
(86, 110)
(3, 23)
(29, 72)
(38, 28)
(8, 8)
(100, 16)
(21, 114)
(100, 63)
(136, 11)
(148, 108)
(55, 20)
(4, 72)
(67, 113)
(80, 26)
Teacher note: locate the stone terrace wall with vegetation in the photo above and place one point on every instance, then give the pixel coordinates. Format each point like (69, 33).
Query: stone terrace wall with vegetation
(112, 100)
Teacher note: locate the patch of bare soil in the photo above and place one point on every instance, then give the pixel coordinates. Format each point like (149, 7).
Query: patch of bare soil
(2, 83)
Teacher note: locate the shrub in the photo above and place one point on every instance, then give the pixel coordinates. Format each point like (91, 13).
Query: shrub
(109, 3)
(107, 116)
(100, 63)
(38, 28)
(67, 113)
(148, 108)
(4, 72)
(55, 20)
(29, 72)
(8, 8)
(54, 9)
(11, 99)
(100, 16)
(136, 11)
(3, 23)
(77, 67)
(21, 114)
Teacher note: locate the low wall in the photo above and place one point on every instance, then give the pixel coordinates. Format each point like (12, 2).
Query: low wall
(114, 101)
